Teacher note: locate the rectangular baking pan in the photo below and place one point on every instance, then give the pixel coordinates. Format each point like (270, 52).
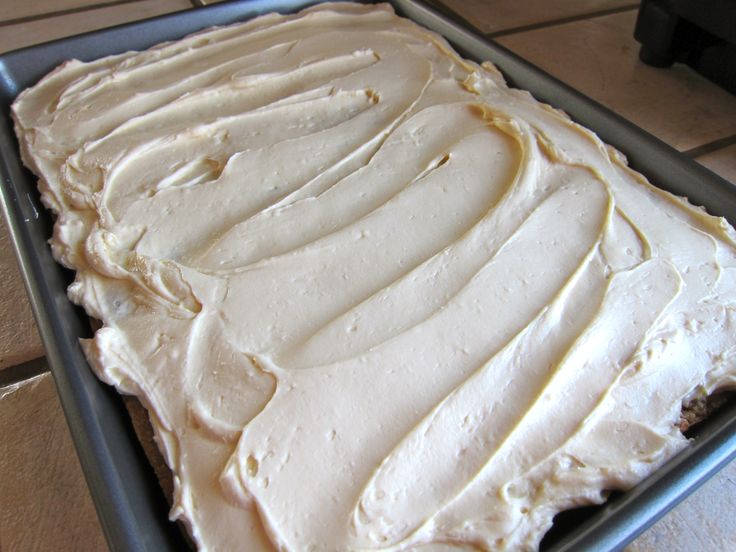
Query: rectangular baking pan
(131, 508)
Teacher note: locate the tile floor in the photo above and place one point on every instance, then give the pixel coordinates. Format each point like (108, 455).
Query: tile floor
(44, 503)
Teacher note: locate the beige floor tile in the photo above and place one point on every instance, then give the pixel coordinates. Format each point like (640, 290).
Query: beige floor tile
(490, 16)
(722, 162)
(16, 9)
(42, 30)
(701, 522)
(19, 339)
(599, 57)
(44, 501)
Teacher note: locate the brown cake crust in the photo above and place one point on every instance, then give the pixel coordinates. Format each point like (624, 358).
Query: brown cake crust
(144, 433)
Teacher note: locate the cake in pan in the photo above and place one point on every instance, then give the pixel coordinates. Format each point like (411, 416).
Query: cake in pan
(371, 297)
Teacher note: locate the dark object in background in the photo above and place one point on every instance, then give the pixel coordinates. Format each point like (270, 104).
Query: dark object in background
(699, 33)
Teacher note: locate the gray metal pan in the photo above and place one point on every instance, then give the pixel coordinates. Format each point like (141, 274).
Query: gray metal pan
(131, 508)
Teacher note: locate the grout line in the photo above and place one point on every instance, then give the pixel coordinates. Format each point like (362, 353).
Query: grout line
(26, 370)
(69, 11)
(447, 11)
(563, 20)
(710, 147)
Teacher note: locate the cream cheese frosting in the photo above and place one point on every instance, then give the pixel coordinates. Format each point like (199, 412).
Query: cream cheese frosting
(373, 298)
